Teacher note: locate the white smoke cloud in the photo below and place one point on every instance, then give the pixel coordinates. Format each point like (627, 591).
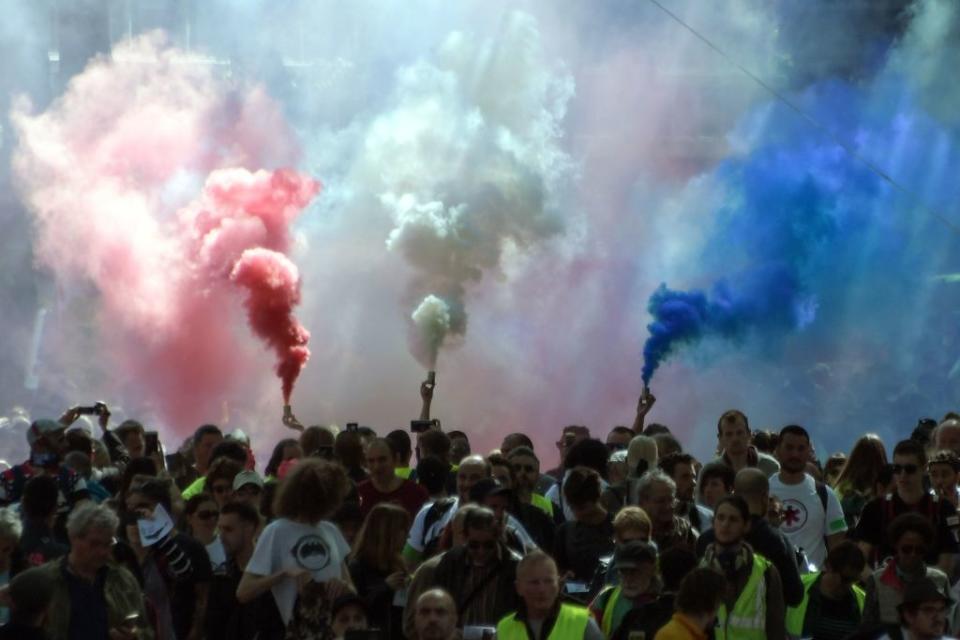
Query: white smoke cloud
(468, 161)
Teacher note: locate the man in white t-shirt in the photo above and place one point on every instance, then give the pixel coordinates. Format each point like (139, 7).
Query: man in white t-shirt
(806, 522)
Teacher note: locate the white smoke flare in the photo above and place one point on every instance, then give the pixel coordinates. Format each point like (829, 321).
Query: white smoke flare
(432, 319)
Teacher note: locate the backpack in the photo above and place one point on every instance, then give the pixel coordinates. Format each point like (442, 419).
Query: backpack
(434, 514)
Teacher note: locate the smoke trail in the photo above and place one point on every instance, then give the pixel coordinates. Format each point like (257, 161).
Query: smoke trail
(109, 172)
(468, 162)
(274, 289)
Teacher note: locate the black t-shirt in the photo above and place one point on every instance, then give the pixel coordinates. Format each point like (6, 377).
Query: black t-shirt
(578, 547)
(829, 619)
(880, 512)
(89, 618)
(183, 595)
(227, 619)
(648, 618)
(537, 523)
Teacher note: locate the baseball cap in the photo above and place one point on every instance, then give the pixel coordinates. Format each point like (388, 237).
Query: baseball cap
(245, 478)
(632, 554)
(923, 590)
(43, 427)
(487, 487)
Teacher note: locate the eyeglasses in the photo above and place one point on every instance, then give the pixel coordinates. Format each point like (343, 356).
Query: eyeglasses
(208, 514)
(486, 545)
(913, 549)
(909, 469)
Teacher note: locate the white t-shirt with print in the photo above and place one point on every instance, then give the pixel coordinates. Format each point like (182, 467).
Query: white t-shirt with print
(804, 521)
(284, 544)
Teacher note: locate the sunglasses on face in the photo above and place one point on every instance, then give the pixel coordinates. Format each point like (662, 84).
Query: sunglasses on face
(909, 469)
(223, 488)
(486, 545)
(912, 550)
(208, 514)
(524, 467)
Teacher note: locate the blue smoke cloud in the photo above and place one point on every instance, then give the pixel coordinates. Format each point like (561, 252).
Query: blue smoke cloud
(806, 229)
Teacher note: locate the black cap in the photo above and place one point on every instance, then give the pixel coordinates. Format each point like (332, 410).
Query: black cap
(485, 488)
(632, 554)
(923, 590)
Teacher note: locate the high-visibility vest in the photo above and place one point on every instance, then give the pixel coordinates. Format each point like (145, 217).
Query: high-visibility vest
(571, 624)
(797, 615)
(748, 619)
(542, 502)
(606, 624)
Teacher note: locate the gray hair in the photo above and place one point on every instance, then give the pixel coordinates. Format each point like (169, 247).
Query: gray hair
(647, 480)
(10, 525)
(89, 517)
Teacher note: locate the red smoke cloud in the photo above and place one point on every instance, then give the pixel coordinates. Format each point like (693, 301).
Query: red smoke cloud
(147, 208)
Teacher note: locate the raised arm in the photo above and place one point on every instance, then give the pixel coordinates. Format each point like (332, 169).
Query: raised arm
(644, 404)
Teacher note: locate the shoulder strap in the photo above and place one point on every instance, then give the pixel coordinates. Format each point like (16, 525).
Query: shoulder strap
(479, 587)
(695, 516)
(822, 493)
(434, 513)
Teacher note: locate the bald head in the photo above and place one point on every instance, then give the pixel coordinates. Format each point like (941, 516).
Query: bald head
(435, 615)
(752, 485)
(947, 436)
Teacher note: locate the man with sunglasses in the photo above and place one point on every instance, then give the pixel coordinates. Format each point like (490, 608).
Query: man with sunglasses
(525, 467)
(619, 438)
(909, 496)
(832, 602)
(480, 573)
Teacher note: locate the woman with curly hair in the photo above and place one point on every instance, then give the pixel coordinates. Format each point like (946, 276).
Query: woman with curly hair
(301, 557)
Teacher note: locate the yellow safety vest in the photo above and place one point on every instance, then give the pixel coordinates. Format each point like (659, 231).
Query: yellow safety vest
(542, 502)
(798, 614)
(606, 624)
(195, 488)
(571, 624)
(748, 619)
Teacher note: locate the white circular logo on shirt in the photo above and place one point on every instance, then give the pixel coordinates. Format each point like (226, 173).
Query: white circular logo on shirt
(794, 515)
(311, 553)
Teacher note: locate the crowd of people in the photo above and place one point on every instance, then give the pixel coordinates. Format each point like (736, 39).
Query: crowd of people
(358, 535)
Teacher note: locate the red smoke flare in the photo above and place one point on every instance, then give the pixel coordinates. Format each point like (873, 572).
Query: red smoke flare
(240, 230)
(273, 286)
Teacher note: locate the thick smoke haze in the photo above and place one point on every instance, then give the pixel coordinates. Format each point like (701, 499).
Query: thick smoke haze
(537, 168)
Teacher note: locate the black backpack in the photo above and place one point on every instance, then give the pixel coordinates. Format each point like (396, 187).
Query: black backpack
(434, 514)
